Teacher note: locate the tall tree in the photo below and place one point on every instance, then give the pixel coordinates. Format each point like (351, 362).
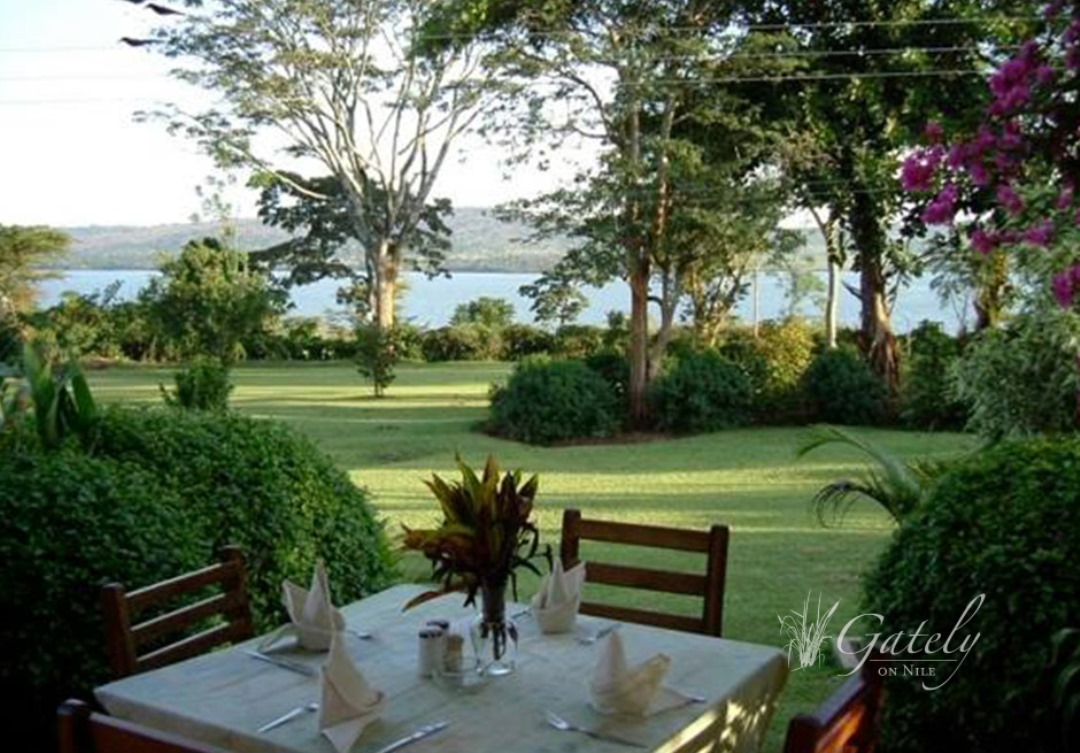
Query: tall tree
(343, 85)
(877, 70)
(642, 82)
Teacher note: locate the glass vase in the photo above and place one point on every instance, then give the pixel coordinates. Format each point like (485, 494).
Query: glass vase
(494, 635)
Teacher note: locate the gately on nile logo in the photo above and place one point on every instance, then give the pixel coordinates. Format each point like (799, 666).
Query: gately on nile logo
(933, 656)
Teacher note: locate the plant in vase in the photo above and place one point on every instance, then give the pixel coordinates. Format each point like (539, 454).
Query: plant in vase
(485, 536)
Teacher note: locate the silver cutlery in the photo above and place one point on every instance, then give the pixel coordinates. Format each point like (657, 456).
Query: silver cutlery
(588, 640)
(559, 723)
(362, 635)
(282, 662)
(288, 717)
(426, 731)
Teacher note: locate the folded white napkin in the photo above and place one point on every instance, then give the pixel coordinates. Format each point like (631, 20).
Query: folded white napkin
(314, 618)
(348, 703)
(555, 605)
(617, 688)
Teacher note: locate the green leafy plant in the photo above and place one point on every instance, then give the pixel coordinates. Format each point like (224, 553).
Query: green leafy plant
(486, 533)
(806, 636)
(62, 403)
(702, 392)
(1002, 523)
(463, 342)
(1065, 666)
(898, 486)
(377, 354)
(840, 388)
(548, 401)
(927, 394)
(203, 385)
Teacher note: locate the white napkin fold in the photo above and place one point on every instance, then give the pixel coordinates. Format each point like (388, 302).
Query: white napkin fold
(349, 704)
(314, 618)
(617, 688)
(555, 605)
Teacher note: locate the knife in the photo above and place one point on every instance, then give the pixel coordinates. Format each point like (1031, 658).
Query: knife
(420, 734)
(295, 666)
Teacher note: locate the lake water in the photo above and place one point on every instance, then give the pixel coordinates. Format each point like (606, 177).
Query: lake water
(432, 302)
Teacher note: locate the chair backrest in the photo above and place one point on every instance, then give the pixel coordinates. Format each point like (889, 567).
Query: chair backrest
(125, 640)
(84, 731)
(710, 586)
(847, 722)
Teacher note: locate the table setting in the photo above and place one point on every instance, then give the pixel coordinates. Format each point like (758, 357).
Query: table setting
(411, 667)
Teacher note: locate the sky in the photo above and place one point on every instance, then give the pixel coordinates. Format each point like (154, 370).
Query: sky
(71, 153)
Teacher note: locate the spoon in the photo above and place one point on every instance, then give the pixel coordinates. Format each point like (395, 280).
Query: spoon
(588, 640)
(288, 717)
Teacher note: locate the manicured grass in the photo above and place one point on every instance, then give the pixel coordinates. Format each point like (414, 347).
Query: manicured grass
(748, 478)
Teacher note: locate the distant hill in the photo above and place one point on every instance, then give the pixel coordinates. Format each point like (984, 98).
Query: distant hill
(480, 244)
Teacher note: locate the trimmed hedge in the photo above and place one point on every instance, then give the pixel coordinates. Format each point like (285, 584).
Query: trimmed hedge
(1003, 523)
(702, 392)
(840, 388)
(265, 487)
(69, 523)
(550, 401)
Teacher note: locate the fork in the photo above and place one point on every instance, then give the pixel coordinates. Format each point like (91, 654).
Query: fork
(559, 723)
(420, 734)
(588, 640)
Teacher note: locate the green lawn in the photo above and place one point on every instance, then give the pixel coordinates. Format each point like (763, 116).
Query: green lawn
(747, 478)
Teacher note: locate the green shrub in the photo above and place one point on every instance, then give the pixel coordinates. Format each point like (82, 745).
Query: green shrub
(1022, 379)
(1003, 523)
(522, 340)
(928, 399)
(493, 313)
(776, 361)
(578, 340)
(203, 385)
(377, 353)
(702, 392)
(840, 388)
(549, 401)
(465, 342)
(263, 486)
(614, 367)
(10, 339)
(68, 523)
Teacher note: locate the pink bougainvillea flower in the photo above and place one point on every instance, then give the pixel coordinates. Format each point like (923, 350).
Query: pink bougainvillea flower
(1064, 199)
(1040, 234)
(934, 132)
(1062, 286)
(984, 242)
(1009, 199)
(942, 209)
(917, 172)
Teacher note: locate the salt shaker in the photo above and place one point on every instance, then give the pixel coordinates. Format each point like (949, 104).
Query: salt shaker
(432, 649)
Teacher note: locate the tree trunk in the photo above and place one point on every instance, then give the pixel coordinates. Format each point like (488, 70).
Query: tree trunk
(639, 342)
(832, 304)
(877, 338)
(385, 286)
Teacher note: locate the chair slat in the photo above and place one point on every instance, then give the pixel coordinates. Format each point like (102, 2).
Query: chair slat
(180, 585)
(647, 578)
(710, 586)
(178, 619)
(847, 722)
(187, 648)
(642, 616)
(639, 535)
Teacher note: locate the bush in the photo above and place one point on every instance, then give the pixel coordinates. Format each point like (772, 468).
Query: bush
(1003, 523)
(928, 398)
(493, 313)
(522, 340)
(1022, 380)
(204, 385)
(776, 361)
(702, 392)
(263, 486)
(466, 342)
(614, 367)
(549, 401)
(377, 353)
(69, 523)
(578, 340)
(840, 388)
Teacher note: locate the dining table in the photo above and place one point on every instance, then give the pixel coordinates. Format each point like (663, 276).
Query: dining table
(224, 697)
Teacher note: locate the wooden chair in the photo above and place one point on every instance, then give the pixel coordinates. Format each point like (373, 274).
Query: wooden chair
(125, 640)
(710, 586)
(847, 722)
(84, 731)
